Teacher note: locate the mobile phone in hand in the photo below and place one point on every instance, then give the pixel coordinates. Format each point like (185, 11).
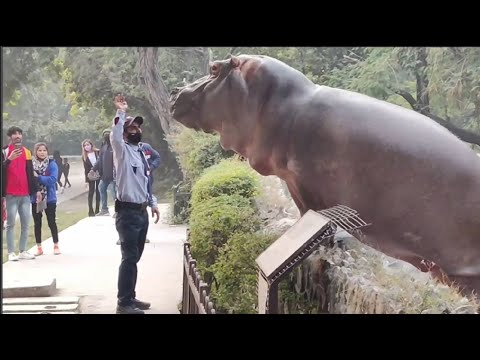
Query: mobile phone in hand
(18, 145)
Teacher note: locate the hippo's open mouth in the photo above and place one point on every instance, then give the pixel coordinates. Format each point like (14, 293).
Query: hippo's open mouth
(183, 109)
(185, 95)
(183, 105)
(173, 100)
(179, 111)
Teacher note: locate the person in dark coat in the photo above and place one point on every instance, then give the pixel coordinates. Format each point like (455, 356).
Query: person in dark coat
(104, 166)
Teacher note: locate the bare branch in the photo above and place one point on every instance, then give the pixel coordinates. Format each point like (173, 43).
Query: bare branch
(410, 99)
(462, 134)
(360, 58)
(353, 60)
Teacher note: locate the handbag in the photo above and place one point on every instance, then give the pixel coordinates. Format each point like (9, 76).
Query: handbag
(93, 175)
(42, 205)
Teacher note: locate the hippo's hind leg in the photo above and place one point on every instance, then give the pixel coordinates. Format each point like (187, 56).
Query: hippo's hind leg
(466, 285)
(425, 265)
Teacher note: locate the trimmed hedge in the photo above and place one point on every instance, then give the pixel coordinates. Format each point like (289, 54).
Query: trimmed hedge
(236, 274)
(224, 233)
(197, 151)
(228, 177)
(213, 222)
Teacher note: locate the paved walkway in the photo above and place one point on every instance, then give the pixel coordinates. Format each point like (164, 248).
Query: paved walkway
(77, 179)
(88, 265)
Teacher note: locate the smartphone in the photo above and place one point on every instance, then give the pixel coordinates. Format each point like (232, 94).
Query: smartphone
(18, 145)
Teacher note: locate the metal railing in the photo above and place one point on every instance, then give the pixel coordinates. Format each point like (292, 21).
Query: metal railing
(195, 299)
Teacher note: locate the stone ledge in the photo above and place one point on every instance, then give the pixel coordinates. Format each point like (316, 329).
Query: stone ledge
(42, 313)
(39, 308)
(22, 289)
(52, 300)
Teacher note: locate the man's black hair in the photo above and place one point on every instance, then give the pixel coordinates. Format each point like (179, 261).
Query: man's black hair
(14, 129)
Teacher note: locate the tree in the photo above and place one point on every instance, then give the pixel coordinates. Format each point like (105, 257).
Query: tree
(437, 76)
(22, 66)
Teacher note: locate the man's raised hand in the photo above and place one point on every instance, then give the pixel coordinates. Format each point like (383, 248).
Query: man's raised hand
(121, 103)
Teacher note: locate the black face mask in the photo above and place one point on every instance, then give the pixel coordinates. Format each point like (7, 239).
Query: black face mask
(134, 138)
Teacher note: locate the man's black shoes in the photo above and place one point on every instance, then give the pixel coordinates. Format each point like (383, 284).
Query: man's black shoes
(142, 305)
(136, 307)
(129, 309)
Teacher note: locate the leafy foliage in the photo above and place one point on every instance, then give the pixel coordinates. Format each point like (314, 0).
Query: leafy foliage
(224, 221)
(236, 273)
(196, 151)
(213, 222)
(39, 107)
(228, 177)
(24, 66)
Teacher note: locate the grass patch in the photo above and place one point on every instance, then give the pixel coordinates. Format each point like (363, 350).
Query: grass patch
(65, 219)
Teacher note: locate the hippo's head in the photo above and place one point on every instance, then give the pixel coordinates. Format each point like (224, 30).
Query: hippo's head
(219, 102)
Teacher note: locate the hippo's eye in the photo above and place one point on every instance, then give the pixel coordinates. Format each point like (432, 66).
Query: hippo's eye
(214, 69)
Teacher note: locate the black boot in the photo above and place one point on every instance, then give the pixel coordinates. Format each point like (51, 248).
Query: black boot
(142, 305)
(129, 309)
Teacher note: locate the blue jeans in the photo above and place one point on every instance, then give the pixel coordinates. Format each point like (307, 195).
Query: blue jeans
(22, 205)
(102, 187)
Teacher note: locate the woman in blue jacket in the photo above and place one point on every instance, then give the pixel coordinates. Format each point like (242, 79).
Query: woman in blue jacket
(46, 172)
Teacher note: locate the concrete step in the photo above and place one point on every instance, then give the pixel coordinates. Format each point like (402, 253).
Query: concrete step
(8, 309)
(52, 300)
(40, 313)
(29, 288)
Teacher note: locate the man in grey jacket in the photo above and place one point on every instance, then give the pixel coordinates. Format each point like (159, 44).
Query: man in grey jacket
(134, 195)
(104, 165)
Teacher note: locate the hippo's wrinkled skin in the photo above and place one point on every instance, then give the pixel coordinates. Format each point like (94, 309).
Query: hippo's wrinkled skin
(411, 178)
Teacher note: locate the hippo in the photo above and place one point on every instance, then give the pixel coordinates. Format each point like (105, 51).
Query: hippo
(415, 182)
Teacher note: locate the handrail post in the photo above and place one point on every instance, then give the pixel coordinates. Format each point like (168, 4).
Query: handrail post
(195, 297)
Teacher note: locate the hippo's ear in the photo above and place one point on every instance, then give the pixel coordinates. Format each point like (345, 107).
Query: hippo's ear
(234, 61)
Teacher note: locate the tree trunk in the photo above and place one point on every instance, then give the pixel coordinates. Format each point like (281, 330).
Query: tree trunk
(157, 92)
(207, 59)
(423, 100)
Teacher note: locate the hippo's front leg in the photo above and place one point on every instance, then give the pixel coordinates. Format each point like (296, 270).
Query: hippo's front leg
(297, 197)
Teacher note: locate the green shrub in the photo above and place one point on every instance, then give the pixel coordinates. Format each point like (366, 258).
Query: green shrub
(196, 151)
(229, 177)
(213, 222)
(180, 203)
(236, 274)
